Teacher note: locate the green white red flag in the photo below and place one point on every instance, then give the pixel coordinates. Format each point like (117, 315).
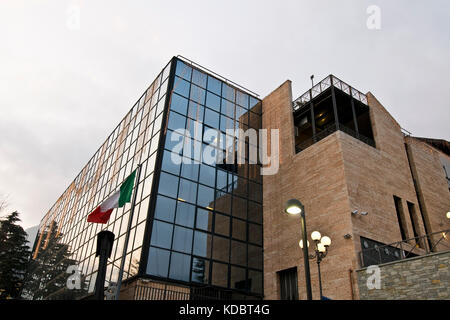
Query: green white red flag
(117, 200)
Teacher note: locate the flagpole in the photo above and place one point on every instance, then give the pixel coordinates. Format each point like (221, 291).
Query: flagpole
(127, 234)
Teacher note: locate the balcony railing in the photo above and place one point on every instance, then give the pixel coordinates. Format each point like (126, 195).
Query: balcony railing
(405, 249)
(324, 85)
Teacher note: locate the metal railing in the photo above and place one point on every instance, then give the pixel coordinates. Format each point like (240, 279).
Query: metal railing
(324, 85)
(152, 293)
(409, 248)
(143, 292)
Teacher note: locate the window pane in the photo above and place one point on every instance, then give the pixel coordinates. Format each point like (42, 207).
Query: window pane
(179, 104)
(226, 123)
(211, 118)
(188, 191)
(240, 207)
(214, 85)
(207, 175)
(222, 225)
(255, 233)
(158, 262)
(199, 78)
(181, 87)
(205, 196)
(239, 229)
(165, 209)
(202, 244)
(228, 92)
(204, 220)
(228, 108)
(173, 140)
(180, 265)
(238, 253)
(242, 99)
(190, 171)
(223, 202)
(255, 280)
(255, 259)
(200, 270)
(219, 275)
(254, 212)
(197, 94)
(168, 185)
(182, 239)
(238, 278)
(213, 101)
(176, 121)
(161, 234)
(196, 111)
(183, 70)
(195, 129)
(168, 164)
(221, 248)
(185, 214)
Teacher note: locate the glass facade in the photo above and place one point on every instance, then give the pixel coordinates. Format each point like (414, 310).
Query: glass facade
(207, 222)
(195, 223)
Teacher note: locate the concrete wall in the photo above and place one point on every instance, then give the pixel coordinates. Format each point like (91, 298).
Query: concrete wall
(425, 277)
(316, 177)
(331, 178)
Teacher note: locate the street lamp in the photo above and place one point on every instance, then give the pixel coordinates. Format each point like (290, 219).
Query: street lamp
(320, 251)
(295, 207)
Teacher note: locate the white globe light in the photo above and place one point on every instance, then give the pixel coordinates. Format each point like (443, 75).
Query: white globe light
(448, 215)
(316, 235)
(326, 241)
(301, 243)
(321, 247)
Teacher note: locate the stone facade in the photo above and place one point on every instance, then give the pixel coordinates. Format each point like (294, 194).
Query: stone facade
(421, 278)
(331, 178)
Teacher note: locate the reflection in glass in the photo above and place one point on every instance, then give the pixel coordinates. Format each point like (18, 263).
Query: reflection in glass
(161, 234)
(180, 265)
(158, 262)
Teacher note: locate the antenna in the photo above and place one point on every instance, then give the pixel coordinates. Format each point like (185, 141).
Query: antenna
(312, 80)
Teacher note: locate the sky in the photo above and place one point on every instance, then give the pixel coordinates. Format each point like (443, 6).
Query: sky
(71, 69)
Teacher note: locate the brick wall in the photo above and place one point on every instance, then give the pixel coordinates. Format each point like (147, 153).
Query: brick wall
(424, 277)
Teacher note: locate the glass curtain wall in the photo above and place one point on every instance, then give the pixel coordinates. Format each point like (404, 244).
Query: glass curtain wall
(206, 228)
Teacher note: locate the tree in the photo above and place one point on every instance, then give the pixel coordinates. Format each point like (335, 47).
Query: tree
(14, 255)
(47, 273)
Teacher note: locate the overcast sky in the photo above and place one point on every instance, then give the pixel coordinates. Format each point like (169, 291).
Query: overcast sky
(63, 89)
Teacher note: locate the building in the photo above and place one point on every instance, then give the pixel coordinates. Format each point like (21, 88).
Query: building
(216, 230)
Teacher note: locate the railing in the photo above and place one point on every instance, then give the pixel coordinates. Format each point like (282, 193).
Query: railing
(143, 292)
(404, 249)
(329, 130)
(152, 293)
(324, 85)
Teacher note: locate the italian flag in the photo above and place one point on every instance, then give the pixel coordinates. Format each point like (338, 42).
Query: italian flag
(116, 200)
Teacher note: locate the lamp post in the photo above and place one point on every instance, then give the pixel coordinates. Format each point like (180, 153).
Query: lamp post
(320, 251)
(295, 207)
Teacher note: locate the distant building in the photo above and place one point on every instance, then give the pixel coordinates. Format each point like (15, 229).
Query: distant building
(217, 230)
